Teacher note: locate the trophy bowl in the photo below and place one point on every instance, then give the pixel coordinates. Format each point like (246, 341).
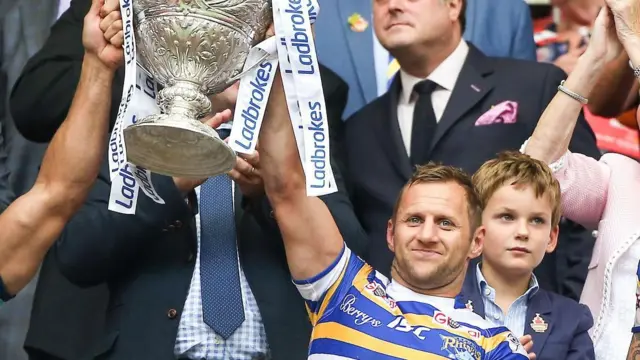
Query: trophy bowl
(194, 49)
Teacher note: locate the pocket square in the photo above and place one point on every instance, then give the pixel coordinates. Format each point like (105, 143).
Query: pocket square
(506, 112)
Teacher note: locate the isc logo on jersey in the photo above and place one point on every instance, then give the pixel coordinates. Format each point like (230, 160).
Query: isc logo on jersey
(442, 319)
(377, 290)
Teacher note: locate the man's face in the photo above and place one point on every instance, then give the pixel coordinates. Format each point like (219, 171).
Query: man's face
(401, 24)
(517, 230)
(431, 237)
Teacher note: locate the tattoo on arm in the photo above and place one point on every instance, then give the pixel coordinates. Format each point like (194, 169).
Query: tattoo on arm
(634, 348)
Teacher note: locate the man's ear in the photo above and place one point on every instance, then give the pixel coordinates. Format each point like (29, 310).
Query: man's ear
(390, 240)
(477, 242)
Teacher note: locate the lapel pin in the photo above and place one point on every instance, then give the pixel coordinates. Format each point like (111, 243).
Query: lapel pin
(469, 305)
(357, 23)
(477, 89)
(538, 324)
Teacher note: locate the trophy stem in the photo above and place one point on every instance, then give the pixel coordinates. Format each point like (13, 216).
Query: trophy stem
(184, 98)
(176, 143)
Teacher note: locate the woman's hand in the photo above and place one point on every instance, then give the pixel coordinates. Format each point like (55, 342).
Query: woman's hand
(604, 44)
(627, 19)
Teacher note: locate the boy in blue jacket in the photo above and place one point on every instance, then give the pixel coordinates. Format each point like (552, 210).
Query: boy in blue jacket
(520, 216)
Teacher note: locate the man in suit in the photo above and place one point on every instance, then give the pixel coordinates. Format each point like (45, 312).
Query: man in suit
(346, 42)
(24, 27)
(450, 104)
(155, 263)
(149, 259)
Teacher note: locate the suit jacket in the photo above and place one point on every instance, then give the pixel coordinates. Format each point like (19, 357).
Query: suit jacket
(378, 165)
(350, 53)
(566, 336)
(604, 195)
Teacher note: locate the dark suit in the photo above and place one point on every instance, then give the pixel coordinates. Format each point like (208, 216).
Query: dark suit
(566, 336)
(378, 165)
(351, 53)
(148, 261)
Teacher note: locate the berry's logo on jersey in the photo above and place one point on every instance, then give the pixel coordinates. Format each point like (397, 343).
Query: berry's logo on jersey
(359, 317)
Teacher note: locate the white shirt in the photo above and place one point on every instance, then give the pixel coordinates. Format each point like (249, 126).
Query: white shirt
(445, 75)
(63, 5)
(381, 61)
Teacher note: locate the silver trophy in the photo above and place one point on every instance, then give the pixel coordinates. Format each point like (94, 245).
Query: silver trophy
(193, 48)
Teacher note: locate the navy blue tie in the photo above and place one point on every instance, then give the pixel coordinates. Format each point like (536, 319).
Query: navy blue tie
(222, 307)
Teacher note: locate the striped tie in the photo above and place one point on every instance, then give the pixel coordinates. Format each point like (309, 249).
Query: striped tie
(392, 69)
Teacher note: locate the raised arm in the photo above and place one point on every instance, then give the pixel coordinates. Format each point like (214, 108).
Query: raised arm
(583, 180)
(311, 238)
(32, 223)
(552, 135)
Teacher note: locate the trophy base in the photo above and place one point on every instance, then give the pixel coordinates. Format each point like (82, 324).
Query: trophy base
(179, 146)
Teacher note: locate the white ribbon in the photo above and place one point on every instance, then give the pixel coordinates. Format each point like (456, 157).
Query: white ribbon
(292, 48)
(300, 73)
(138, 101)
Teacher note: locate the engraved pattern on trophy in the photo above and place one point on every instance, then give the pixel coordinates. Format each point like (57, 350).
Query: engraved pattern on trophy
(193, 48)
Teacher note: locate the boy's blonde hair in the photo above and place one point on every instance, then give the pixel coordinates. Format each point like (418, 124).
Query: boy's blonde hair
(518, 169)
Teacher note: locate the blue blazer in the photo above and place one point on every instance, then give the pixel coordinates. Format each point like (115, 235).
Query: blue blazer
(350, 54)
(566, 337)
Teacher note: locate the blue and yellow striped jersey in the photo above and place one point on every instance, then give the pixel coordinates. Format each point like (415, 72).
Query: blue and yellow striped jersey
(358, 314)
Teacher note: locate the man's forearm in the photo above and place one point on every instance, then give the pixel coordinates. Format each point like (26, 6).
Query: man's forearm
(34, 221)
(311, 238)
(72, 161)
(281, 168)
